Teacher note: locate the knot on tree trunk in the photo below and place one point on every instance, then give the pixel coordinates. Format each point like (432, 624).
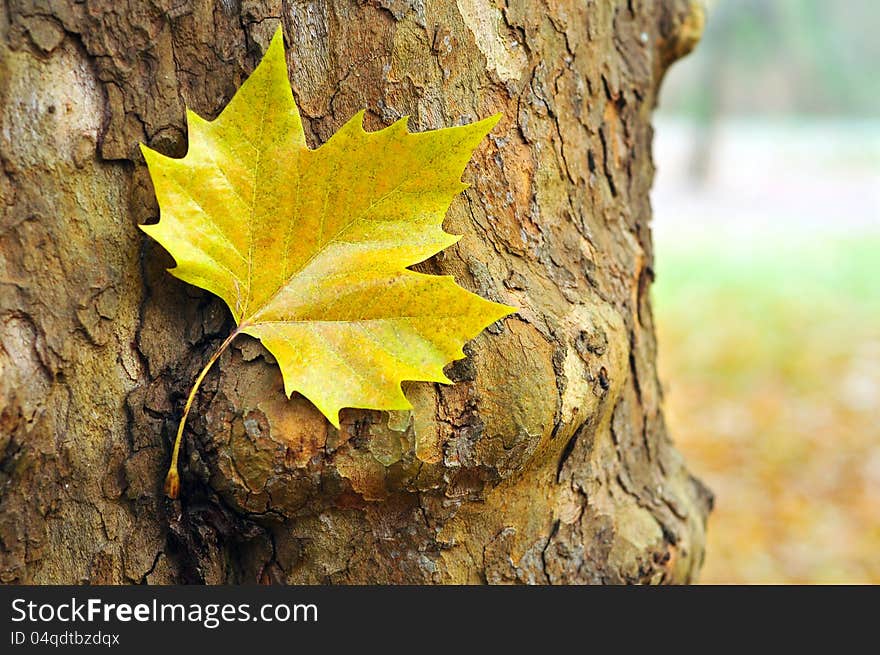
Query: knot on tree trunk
(681, 27)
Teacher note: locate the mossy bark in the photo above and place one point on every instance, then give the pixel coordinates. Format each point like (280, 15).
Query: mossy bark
(546, 462)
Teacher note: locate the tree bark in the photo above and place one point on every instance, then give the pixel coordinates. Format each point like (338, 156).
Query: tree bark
(546, 462)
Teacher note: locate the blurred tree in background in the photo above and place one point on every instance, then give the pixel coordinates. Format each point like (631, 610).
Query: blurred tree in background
(782, 57)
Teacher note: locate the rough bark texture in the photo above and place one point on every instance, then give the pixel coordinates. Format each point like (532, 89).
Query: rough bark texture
(547, 461)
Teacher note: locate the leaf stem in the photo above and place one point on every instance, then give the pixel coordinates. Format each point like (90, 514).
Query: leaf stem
(172, 479)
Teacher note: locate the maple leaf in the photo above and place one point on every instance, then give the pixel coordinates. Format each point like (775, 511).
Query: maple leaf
(310, 248)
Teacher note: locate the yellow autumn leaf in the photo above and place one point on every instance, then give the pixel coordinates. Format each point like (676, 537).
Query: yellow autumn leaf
(310, 248)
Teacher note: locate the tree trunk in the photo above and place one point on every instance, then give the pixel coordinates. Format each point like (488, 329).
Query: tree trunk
(546, 462)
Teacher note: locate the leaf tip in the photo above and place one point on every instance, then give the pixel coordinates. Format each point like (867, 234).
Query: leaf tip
(146, 152)
(353, 127)
(277, 38)
(503, 311)
(404, 404)
(450, 239)
(485, 125)
(192, 118)
(508, 310)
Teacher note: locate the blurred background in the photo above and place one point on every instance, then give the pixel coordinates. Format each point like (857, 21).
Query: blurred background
(767, 228)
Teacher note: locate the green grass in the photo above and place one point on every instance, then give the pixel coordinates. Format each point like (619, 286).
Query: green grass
(752, 308)
(768, 270)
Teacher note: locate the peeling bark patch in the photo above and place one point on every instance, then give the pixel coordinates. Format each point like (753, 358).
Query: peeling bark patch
(509, 370)
(503, 52)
